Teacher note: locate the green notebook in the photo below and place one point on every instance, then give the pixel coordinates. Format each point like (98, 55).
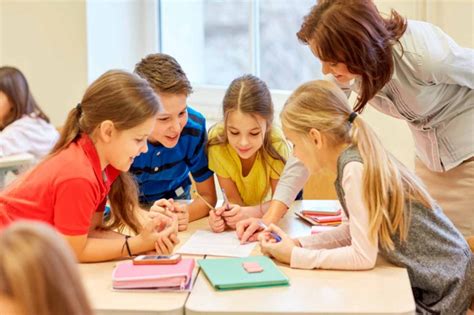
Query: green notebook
(229, 273)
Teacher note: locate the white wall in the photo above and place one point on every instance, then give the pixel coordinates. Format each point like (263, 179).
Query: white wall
(63, 45)
(119, 34)
(47, 41)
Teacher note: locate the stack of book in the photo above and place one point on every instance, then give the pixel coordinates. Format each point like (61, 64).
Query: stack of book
(322, 214)
(316, 217)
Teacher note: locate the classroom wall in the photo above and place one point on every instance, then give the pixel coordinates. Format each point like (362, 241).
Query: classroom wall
(119, 34)
(47, 41)
(63, 45)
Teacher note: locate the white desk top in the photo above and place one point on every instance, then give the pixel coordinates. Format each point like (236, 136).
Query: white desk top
(383, 290)
(16, 160)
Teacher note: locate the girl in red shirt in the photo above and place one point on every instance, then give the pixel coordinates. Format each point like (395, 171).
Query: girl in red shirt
(69, 189)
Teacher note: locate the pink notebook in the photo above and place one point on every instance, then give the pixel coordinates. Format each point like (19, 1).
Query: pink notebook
(126, 275)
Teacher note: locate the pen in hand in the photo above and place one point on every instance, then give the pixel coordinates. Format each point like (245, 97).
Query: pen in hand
(226, 200)
(273, 234)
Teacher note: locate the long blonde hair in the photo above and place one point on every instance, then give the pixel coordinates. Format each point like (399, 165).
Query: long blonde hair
(388, 184)
(127, 100)
(250, 95)
(38, 271)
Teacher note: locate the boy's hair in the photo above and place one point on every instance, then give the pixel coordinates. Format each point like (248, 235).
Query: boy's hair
(164, 74)
(388, 185)
(250, 95)
(354, 33)
(38, 271)
(13, 83)
(127, 101)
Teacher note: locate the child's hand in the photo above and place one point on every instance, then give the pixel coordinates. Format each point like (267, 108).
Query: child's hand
(216, 222)
(167, 238)
(163, 206)
(281, 251)
(152, 229)
(182, 212)
(234, 215)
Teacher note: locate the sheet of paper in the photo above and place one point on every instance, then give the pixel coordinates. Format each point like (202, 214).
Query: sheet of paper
(216, 244)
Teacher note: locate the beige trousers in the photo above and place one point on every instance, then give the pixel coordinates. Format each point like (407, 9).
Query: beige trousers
(454, 192)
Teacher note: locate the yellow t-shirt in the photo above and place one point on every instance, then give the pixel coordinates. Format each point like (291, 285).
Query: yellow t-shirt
(225, 162)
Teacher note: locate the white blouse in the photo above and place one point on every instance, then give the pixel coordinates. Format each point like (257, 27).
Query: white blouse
(28, 134)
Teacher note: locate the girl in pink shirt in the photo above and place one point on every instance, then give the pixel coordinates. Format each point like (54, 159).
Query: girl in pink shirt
(388, 209)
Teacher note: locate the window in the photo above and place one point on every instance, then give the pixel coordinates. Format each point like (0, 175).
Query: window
(216, 41)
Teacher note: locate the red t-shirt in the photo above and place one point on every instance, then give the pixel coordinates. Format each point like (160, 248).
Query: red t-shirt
(64, 190)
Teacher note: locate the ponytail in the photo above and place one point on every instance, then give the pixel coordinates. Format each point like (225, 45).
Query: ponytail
(387, 184)
(69, 132)
(127, 101)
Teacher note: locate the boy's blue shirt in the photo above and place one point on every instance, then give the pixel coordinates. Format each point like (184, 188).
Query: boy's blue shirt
(163, 172)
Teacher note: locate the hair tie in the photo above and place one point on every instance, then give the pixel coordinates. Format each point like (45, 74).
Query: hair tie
(352, 116)
(79, 108)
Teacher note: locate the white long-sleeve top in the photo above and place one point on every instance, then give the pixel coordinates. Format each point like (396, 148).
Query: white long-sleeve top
(28, 134)
(348, 246)
(431, 89)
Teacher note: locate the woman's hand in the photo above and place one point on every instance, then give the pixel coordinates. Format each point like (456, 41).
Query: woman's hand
(281, 251)
(248, 230)
(216, 222)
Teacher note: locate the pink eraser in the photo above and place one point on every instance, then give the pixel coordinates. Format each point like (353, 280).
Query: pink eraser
(252, 267)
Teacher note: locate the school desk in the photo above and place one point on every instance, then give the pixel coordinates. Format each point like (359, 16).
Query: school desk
(383, 290)
(97, 279)
(13, 163)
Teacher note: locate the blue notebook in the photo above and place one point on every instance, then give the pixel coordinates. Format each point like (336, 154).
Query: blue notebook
(229, 273)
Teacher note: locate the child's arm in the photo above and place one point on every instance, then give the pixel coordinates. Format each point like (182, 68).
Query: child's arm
(231, 190)
(96, 231)
(198, 209)
(337, 237)
(89, 249)
(362, 251)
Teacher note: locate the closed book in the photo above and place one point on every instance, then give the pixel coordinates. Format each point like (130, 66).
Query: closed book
(321, 207)
(316, 220)
(326, 218)
(178, 276)
(229, 273)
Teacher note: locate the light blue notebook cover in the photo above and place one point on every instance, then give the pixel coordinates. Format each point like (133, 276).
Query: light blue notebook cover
(229, 273)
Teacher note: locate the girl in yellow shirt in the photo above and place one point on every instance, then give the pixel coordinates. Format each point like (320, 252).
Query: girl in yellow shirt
(245, 151)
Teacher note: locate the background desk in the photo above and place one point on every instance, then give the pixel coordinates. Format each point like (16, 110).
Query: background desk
(13, 163)
(383, 290)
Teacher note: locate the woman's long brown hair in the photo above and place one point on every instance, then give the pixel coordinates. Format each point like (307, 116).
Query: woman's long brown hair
(126, 100)
(13, 83)
(354, 33)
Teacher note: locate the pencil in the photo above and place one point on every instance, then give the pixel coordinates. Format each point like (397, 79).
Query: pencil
(204, 200)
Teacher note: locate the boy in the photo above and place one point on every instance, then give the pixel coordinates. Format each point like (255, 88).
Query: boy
(176, 147)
